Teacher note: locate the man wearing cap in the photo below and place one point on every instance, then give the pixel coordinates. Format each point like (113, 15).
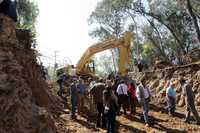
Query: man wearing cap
(189, 100)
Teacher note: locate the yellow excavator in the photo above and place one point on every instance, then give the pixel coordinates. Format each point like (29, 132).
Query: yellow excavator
(85, 66)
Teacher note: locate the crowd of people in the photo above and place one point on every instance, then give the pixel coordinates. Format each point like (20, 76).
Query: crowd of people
(110, 95)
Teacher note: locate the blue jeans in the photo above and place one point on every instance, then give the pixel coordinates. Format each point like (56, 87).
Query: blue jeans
(145, 111)
(74, 104)
(171, 105)
(111, 119)
(61, 90)
(101, 120)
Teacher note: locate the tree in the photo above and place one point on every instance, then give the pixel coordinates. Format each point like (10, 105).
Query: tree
(194, 10)
(104, 64)
(170, 29)
(109, 23)
(27, 14)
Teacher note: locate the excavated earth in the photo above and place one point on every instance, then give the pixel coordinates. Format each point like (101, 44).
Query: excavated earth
(159, 80)
(26, 104)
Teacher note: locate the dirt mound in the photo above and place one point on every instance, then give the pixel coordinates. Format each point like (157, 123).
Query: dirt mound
(193, 56)
(158, 81)
(24, 97)
(159, 64)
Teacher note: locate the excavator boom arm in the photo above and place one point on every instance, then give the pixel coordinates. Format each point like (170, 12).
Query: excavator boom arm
(123, 44)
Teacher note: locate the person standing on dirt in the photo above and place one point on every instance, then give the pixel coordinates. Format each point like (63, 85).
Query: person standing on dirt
(110, 107)
(139, 64)
(73, 95)
(132, 97)
(97, 92)
(81, 95)
(116, 82)
(143, 97)
(171, 99)
(122, 92)
(189, 100)
(61, 82)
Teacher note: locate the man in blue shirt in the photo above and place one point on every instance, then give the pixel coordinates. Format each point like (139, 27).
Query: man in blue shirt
(171, 99)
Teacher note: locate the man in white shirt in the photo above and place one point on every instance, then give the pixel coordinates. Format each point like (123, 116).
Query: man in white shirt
(122, 92)
(143, 96)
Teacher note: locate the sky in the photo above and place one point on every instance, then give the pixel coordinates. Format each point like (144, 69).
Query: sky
(62, 27)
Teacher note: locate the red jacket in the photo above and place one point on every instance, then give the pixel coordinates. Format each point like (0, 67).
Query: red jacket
(132, 90)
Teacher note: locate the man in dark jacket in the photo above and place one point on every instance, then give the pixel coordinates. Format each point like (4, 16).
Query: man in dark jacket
(97, 93)
(73, 96)
(61, 82)
(110, 106)
(189, 100)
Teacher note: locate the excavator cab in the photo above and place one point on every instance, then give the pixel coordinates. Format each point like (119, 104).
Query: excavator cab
(91, 66)
(89, 69)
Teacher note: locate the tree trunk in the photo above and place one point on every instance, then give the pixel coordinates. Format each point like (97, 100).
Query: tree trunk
(144, 13)
(189, 7)
(113, 60)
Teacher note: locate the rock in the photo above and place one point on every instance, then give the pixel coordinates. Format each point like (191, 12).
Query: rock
(154, 84)
(181, 102)
(178, 88)
(195, 88)
(198, 75)
(7, 29)
(197, 99)
(178, 98)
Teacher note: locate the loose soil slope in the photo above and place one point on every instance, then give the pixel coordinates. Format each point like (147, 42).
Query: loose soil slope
(24, 99)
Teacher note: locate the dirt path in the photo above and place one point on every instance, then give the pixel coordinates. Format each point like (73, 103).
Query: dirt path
(161, 123)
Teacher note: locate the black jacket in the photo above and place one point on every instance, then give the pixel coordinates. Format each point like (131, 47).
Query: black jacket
(110, 100)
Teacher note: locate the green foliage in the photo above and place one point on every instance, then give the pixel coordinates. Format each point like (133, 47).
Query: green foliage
(51, 73)
(147, 49)
(147, 53)
(27, 14)
(107, 19)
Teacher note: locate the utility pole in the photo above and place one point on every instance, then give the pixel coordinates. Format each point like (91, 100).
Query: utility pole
(55, 63)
